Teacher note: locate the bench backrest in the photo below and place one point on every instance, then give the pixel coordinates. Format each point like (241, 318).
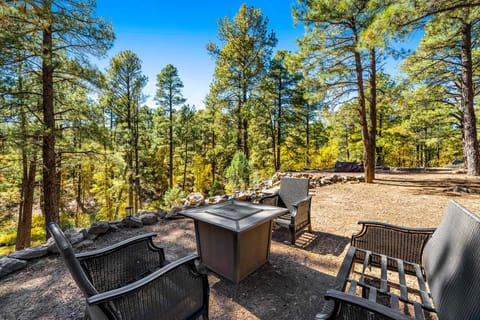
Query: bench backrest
(452, 264)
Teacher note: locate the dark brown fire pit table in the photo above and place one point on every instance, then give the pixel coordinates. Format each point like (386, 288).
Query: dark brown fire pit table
(233, 237)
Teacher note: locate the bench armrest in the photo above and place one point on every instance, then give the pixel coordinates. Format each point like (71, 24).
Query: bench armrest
(179, 289)
(341, 303)
(123, 262)
(393, 241)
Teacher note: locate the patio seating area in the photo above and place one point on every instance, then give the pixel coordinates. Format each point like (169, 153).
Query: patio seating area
(291, 286)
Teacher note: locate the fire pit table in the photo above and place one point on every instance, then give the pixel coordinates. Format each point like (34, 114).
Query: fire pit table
(233, 237)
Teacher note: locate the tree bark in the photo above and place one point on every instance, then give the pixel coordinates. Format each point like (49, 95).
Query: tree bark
(363, 117)
(50, 185)
(138, 188)
(24, 228)
(279, 127)
(307, 138)
(372, 134)
(24, 231)
(170, 137)
(185, 165)
(214, 161)
(470, 142)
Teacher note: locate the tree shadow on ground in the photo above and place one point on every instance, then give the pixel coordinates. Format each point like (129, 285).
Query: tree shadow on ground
(38, 292)
(281, 289)
(315, 241)
(432, 186)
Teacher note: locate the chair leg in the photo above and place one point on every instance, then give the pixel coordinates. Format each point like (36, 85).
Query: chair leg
(292, 234)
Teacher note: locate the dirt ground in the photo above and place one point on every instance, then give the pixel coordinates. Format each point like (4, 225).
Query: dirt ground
(292, 284)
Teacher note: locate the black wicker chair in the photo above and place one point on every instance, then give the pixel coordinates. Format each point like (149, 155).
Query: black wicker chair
(293, 195)
(132, 280)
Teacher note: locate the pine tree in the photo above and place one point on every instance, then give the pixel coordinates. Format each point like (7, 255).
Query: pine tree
(331, 54)
(453, 23)
(56, 37)
(125, 82)
(168, 96)
(245, 49)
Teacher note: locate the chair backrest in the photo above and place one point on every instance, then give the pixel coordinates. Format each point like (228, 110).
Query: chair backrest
(452, 264)
(293, 190)
(73, 265)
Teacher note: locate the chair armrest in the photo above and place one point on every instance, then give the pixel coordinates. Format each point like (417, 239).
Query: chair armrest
(123, 262)
(179, 289)
(271, 199)
(345, 304)
(303, 204)
(393, 241)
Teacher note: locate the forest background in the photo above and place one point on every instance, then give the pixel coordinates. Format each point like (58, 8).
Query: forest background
(78, 144)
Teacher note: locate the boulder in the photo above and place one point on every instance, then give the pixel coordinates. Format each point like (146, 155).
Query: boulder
(30, 253)
(115, 225)
(132, 222)
(216, 199)
(360, 178)
(243, 196)
(51, 246)
(195, 199)
(99, 227)
(161, 213)
(86, 244)
(142, 212)
(326, 181)
(9, 265)
(76, 238)
(148, 219)
(173, 212)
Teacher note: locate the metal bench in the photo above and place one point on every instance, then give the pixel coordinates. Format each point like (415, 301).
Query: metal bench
(392, 272)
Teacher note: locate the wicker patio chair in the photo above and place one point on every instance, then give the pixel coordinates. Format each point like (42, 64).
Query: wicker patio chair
(293, 195)
(132, 280)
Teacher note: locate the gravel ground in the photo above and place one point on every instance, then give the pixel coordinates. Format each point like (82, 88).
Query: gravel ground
(292, 284)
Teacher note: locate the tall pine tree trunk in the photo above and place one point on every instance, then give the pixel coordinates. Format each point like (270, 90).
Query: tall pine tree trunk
(363, 118)
(274, 145)
(170, 141)
(185, 165)
(372, 134)
(307, 139)
(470, 142)
(50, 184)
(24, 228)
(279, 129)
(138, 188)
(214, 161)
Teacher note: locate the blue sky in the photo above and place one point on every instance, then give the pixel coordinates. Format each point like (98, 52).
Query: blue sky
(164, 32)
(176, 32)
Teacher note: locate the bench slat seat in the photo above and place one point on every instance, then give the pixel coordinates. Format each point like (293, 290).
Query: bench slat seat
(363, 280)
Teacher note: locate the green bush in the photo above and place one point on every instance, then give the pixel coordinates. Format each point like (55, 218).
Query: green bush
(214, 188)
(8, 238)
(238, 172)
(173, 197)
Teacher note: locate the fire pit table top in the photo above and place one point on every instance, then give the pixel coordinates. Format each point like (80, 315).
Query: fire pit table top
(234, 215)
